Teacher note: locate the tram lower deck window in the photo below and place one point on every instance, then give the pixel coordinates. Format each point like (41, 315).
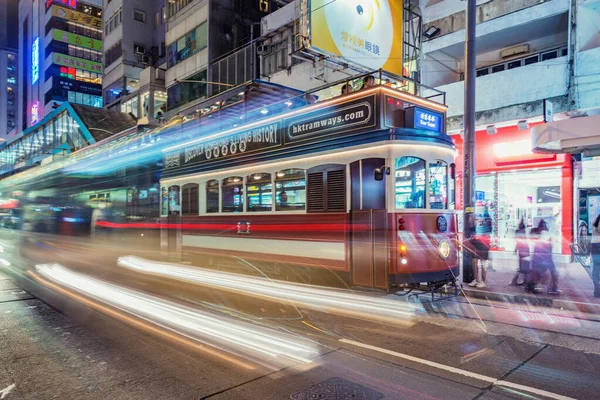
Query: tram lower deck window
(212, 196)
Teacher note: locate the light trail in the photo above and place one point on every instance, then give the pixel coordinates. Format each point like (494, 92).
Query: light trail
(330, 300)
(258, 344)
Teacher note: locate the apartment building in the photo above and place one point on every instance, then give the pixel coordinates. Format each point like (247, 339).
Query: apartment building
(9, 46)
(60, 54)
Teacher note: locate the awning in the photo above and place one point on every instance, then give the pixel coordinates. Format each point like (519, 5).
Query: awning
(575, 135)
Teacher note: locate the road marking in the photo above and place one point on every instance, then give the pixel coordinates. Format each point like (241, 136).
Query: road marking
(6, 391)
(458, 371)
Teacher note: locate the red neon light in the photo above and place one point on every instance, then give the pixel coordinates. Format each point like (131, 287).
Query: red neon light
(71, 71)
(233, 227)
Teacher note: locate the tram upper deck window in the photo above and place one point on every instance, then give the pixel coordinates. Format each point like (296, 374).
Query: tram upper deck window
(409, 182)
(290, 187)
(212, 196)
(438, 185)
(259, 191)
(233, 194)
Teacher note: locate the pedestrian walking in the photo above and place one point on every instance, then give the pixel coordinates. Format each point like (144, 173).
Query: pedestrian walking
(523, 255)
(542, 260)
(480, 255)
(595, 250)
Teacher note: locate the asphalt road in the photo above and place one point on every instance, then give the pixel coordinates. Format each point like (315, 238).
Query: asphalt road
(69, 347)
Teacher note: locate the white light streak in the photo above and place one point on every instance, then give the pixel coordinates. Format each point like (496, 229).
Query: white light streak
(258, 344)
(326, 299)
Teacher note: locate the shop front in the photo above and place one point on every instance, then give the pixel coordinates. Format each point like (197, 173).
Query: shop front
(513, 184)
(587, 198)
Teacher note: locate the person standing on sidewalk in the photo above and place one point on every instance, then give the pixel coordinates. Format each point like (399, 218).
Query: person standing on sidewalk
(522, 250)
(595, 250)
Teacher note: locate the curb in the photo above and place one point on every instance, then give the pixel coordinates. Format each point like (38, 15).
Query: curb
(532, 300)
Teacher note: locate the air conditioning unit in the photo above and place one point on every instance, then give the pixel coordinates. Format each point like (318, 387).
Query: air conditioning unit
(262, 50)
(145, 59)
(513, 51)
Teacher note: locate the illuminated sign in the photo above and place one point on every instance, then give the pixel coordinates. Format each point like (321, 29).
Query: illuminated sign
(76, 16)
(512, 149)
(79, 63)
(425, 119)
(35, 113)
(78, 40)
(68, 3)
(365, 32)
(35, 60)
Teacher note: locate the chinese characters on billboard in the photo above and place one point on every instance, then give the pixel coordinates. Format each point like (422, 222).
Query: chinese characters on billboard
(78, 40)
(364, 32)
(79, 63)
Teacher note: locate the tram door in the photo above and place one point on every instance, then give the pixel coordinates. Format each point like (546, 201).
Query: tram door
(174, 221)
(369, 224)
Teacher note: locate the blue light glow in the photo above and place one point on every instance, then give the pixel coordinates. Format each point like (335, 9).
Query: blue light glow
(35, 60)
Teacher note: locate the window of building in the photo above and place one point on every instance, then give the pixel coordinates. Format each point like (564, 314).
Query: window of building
(176, 6)
(113, 54)
(532, 60)
(160, 104)
(188, 45)
(139, 16)
(438, 185)
(184, 92)
(326, 188)
(212, 196)
(497, 68)
(290, 190)
(164, 15)
(277, 58)
(189, 199)
(156, 20)
(409, 182)
(114, 21)
(130, 106)
(233, 194)
(550, 55)
(259, 191)
(514, 64)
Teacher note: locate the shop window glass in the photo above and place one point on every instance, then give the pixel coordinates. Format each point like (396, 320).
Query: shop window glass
(438, 185)
(233, 194)
(290, 191)
(259, 191)
(145, 103)
(212, 196)
(409, 182)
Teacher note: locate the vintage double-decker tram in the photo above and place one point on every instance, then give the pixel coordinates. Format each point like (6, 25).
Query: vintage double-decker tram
(355, 190)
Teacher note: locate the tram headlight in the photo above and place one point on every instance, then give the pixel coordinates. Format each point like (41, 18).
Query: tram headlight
(444, 249)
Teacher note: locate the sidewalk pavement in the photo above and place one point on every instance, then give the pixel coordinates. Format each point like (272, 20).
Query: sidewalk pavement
(577, 289)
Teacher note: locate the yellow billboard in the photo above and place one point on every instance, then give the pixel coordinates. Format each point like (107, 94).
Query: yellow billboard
(76, 16)
(364, 32)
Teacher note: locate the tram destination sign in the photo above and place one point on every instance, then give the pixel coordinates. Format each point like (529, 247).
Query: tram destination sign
(351, 117)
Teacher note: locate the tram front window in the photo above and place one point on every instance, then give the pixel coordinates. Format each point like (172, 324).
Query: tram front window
(259, 191)
(290, 190)
(233, 194)
(409, 182)
(438, 185)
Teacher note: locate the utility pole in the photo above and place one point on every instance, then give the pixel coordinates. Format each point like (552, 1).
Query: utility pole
(469, 140)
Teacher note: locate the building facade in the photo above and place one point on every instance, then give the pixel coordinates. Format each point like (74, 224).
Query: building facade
(534, 58)
(176, 55)
(9, 45)
(60, 51)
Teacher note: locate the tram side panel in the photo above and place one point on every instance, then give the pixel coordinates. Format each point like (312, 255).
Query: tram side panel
(308, 248)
